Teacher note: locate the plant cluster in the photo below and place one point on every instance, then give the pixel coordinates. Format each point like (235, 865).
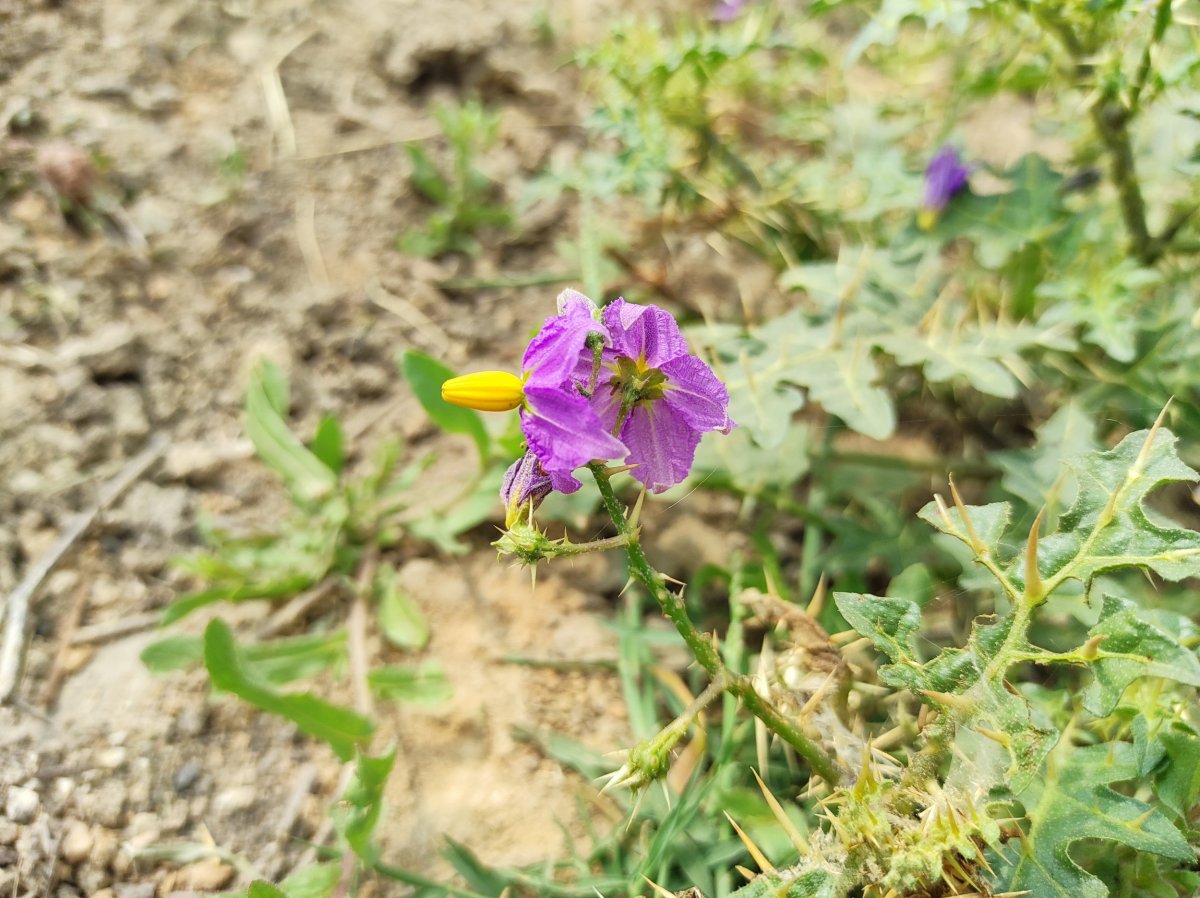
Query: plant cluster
(1004, 705)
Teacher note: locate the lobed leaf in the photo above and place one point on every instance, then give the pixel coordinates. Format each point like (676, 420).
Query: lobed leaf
(1074, 801)
(1146, 650)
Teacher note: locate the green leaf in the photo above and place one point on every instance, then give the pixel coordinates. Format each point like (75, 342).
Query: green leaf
(1108, 526)
(399, 617)
(1073, 801)
(426, 376)
(748, 466)
(173, 653)
(364, 799)
(764, 368)
(891, 624)
(1147, 650)
(989, 521)
(276, 589)
(281, 661)
(1177, 784)
(266, 405)
(316, 881)
(425, 684)
(1036, 475)
(1005, 223)
(791, 884)
(328, 444)
(425, 177)
(262, 889)
(342, 728)
(477, 874)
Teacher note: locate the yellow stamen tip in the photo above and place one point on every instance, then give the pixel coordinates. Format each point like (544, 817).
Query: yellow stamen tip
(485, 391)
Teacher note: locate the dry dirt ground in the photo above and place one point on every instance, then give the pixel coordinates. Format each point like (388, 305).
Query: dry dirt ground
(105, 344)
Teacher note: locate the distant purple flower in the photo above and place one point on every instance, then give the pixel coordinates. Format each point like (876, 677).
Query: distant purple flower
(944, 177)
(636, 380)
(727, 10)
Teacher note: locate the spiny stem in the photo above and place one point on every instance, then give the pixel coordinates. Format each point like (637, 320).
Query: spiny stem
(703, 648)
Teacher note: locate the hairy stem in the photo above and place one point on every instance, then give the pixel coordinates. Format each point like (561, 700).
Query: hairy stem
(702, 647)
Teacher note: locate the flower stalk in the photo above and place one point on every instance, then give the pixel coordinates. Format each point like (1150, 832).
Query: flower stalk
(703, 647)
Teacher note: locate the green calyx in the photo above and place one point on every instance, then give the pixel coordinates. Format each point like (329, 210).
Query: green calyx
(636, 382)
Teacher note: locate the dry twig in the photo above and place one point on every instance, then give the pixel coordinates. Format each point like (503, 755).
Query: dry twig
(15, 611)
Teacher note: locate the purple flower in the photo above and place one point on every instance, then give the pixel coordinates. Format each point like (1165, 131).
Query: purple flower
(727, 10)
(629, 376)
(944, 177)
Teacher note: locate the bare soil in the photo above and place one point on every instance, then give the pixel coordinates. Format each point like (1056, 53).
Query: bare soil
(258, 147)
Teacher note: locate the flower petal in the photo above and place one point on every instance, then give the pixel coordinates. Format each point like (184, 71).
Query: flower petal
(696, 394)
(661, 443)
(555, 353)
(644, 332)
(564, 432)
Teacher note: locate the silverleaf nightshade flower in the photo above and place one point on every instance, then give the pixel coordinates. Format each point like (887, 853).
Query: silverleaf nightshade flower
(618, 386)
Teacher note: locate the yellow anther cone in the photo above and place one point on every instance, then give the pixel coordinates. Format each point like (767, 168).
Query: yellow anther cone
(484, 391)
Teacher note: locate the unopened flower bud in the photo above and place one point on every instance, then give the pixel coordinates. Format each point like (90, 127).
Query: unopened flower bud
(485, 391)
(525, 486)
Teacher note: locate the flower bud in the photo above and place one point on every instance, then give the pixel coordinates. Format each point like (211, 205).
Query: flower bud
(485, 391)
(525, 484)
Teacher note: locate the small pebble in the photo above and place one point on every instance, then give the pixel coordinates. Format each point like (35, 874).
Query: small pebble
(185, 777)
(112, 758)
(104, 847)
(76, 842)
(233, 799)
(21, 806)
(204, 876)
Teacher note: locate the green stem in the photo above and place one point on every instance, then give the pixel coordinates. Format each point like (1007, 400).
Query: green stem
(702, 647)
(1111, 120)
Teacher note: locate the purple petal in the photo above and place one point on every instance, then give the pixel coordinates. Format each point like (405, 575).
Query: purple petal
(564, 433)
(944, 177)
(644, 332)
(606, 402)
(694, 392)
(554, 354)
(661, 443)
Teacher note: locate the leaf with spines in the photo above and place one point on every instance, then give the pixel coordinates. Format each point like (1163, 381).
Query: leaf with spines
(1109, 527)
(1074, 801)
(966, 683)
(1131, 646)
